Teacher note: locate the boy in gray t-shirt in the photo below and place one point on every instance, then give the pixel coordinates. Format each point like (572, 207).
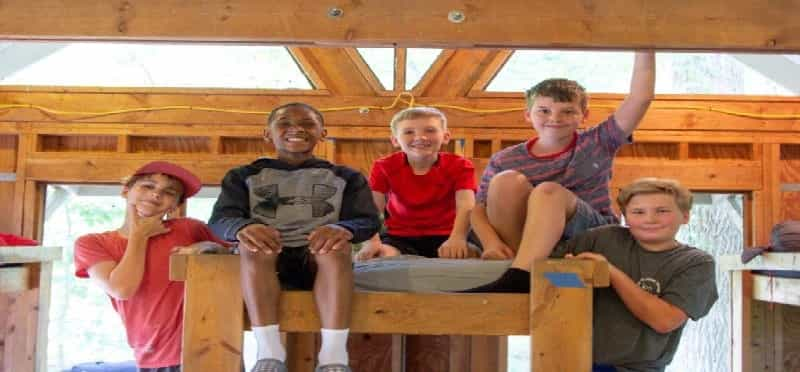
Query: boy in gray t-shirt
(656, 282)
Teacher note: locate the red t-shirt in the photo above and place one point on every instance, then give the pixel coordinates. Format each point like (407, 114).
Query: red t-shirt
(153, 316)
(421, 205)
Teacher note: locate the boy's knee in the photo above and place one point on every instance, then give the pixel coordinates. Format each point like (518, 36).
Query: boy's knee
(258, 259)
(509, 182)
(338, 257)
(549, 189)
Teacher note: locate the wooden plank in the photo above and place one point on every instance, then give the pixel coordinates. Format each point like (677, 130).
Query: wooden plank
(460, 73)
(488, 74)
(460, 353)
(766, 261)
(740, 354)
(561, 316)
(400, 62)
(340, 74)
(776, 289)
(373, 352)
(33, 218)
(29, 254)
(697, 174)
(18, 316)
(112, 170)
(486, 355)
(381, 312)
(27, 143)
(791, 342)
(308, 65)
(14, 279)
(7, 198)
(690, 113)
(212, 332)
(710, 24)
(8, 153)
(43, 313)
(301, 351)
(428, 353)
(415, 313)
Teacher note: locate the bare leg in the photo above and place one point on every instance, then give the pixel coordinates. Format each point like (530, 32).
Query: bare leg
(260, 287)
(507, 206)
(333, 288)
(550, 206)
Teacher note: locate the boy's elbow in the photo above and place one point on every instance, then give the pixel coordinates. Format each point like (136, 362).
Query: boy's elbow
(665, 327)
(121, 293)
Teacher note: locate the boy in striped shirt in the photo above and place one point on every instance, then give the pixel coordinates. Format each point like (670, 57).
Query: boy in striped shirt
(555, 185)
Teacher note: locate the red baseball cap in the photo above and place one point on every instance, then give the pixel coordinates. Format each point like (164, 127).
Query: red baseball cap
(191, 184)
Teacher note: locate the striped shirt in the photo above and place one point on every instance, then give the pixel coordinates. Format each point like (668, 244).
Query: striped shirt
(583, 168)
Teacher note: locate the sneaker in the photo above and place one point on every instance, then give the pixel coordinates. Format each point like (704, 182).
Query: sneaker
(269, 365)
(333, 368)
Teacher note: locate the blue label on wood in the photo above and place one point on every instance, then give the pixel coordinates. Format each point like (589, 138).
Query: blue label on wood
(564, 280)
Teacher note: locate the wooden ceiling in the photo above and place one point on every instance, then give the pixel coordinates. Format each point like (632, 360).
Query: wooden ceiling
(744, 25)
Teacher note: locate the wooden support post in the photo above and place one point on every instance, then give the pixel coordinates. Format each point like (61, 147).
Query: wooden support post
(25, 307)
(301, 351)
(561, 313)
(212, 325)
(743, 291)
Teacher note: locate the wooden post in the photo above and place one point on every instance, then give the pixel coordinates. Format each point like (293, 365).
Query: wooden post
(301, 352)
(746, 287)
(561, 313)
(25, 306)
(213, 311)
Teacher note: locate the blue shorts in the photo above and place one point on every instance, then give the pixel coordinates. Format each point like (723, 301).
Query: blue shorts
(585, 218)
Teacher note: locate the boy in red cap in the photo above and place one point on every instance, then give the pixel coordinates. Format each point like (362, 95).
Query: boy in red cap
(131, 263)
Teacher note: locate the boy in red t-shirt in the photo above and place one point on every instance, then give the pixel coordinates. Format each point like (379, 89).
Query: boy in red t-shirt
(131, 264)
(427, 195)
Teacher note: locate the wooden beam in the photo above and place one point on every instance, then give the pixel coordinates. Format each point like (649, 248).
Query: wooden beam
(627, 24)
(776, 289)
(460, 73)
(561, 313)
(340, 73)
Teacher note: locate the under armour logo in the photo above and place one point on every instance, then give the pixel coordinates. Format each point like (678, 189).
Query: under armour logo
(650, 285)
(272, 200)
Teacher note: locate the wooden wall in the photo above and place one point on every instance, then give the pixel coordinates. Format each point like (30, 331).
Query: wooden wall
(683, 137)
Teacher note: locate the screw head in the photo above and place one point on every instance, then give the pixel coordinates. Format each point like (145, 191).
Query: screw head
(335, 12)
(456, 16)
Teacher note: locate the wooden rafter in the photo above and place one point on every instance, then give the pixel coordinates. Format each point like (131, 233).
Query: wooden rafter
(337, 71)
(627, 24)
(460, 73)
(400, 64)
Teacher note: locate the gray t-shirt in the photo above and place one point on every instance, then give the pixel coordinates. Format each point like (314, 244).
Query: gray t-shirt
(683, 276)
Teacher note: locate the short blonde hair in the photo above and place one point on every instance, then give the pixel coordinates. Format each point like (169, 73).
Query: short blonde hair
(652, 185)
(412, 113)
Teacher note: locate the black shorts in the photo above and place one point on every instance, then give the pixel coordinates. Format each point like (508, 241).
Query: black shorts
(161, 369)
(425, 246)
(296, 268)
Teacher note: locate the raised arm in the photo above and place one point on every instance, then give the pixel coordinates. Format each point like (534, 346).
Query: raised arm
(643, 81)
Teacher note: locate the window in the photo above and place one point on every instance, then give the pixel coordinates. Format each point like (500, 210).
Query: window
(70, 212)
(109, 64)
(381, 62)
(418, 62)
(677, 73)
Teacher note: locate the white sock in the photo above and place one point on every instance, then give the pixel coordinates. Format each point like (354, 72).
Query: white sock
(268, 340)
(334, 347)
